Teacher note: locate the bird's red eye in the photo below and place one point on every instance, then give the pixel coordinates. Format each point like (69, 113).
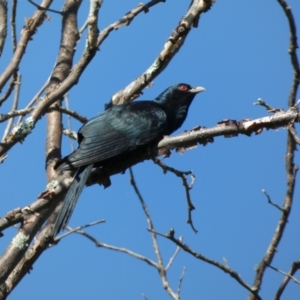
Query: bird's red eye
(183, 87)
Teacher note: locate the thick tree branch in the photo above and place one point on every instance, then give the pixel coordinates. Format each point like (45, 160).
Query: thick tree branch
(61, 71)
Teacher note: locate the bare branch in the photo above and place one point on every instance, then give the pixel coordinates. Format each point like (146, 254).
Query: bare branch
(14, 107)
(69, 121)
(286, 208)
(13, 24)
(171, 47)
(15, 113)
(180, 281)
(187, 187)
(261, 102)
(289, 276)
(77, 229)
(9, 89)
(229, 128)
(160, 266)
(92, 23)
(172, 258)
(60, 72)
(286, 274)
(270, 201)
(26, 35)
(28, 255)
(3, 24)
(71, 113)
(118, 249)
(55, 192)
(292, 51)
(294, 134)
(170, 236)
(46, 9)
(14, 257)
(35, 98)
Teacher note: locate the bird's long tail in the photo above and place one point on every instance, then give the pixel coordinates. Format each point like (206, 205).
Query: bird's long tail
(71, 198)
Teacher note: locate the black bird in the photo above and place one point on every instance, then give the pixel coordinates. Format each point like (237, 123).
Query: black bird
(119, 130)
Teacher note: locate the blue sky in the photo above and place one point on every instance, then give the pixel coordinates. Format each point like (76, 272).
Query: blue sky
(239, 54)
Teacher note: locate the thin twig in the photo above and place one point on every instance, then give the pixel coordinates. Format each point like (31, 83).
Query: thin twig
(10, 88)
(292, 51)
(69, 120)
(261, 102)
(83, 27)
(144, 296)
(286, 274)
(270, 201)
(46, 9)
(160, 266)
(35, 98)
(180, 281)
(187, 187)
(14, 107)
(172, 258)
(79, 228)
(114, 248)
(290, 275)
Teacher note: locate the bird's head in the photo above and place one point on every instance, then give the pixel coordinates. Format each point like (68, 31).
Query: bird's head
(176, 100)
(179, 93)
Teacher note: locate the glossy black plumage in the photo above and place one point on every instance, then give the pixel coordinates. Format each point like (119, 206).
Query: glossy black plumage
(119, 130)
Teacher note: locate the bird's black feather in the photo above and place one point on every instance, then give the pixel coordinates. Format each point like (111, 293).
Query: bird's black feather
(119, 130)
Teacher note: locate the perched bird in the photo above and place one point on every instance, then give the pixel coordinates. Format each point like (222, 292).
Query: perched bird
(118, 131)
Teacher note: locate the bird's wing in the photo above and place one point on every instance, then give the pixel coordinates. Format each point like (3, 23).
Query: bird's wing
(118, 131)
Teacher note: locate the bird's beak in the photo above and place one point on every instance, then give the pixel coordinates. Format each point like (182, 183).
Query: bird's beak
(197, 89)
